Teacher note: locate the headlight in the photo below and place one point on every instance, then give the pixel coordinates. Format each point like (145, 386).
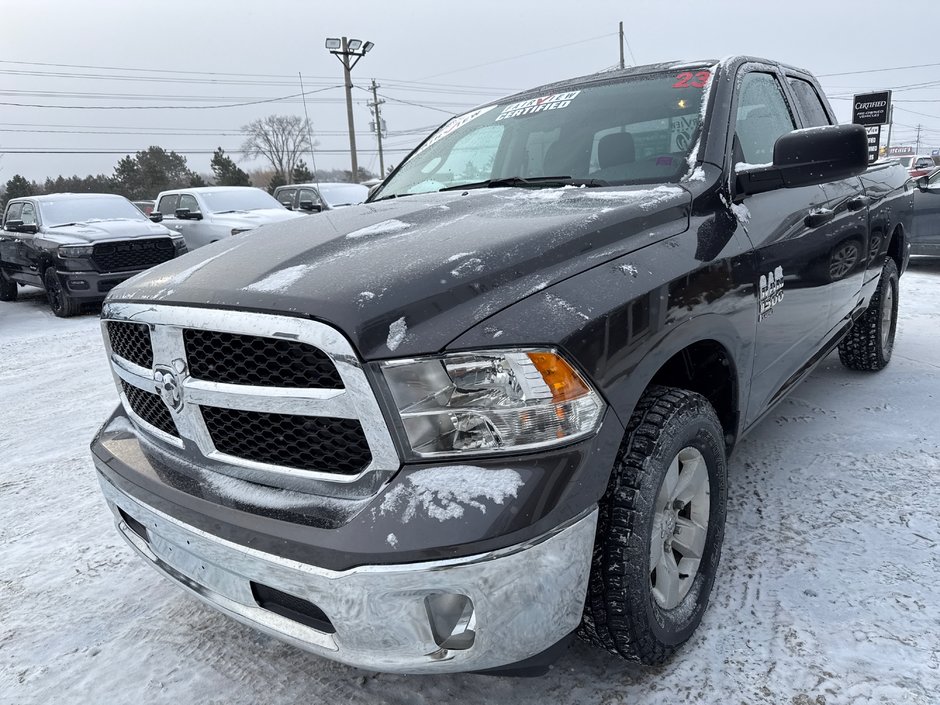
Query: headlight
(76, 250)
(179, 244)
(236, 231)
(491, 401)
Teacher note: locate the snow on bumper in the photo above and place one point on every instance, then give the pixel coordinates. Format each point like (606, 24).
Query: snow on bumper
(465, 614)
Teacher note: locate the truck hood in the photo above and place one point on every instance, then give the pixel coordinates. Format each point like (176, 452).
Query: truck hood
(252, 219)
(406, 276)
(103, 230)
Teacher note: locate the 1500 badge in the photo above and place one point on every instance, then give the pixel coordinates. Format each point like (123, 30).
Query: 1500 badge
(770, 292)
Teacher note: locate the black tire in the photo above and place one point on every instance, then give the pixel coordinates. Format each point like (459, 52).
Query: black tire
(7, 286)
(870, 342)
(62, 305)
(622, 614)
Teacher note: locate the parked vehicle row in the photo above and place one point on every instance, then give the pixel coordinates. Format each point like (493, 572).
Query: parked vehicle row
(313, 198)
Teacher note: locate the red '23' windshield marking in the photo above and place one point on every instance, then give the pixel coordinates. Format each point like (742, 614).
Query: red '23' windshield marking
(687, 79)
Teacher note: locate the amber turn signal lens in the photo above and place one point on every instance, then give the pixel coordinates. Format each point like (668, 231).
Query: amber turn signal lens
(559, 376)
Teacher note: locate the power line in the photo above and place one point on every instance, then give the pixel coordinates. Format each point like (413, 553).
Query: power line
(164, 107)
(892, 68)
(96, 150)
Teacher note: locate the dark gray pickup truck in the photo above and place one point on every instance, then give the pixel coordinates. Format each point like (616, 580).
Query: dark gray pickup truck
(450, 428)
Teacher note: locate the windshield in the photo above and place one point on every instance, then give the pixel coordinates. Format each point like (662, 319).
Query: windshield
(637, 130)
(242, 199)
(343, 194)
(906, 161)
(87, 210)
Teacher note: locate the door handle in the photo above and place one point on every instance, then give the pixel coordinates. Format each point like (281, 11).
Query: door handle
(819, 217)
(856, 204)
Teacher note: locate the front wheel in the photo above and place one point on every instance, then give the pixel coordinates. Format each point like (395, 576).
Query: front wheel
(62, 305)
(868, 346)
(660, 529)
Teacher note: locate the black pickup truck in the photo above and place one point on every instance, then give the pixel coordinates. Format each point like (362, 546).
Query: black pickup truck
(492, 407)
(78, 246)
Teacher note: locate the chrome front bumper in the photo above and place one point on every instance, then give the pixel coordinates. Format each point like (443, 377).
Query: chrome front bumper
(522, 599)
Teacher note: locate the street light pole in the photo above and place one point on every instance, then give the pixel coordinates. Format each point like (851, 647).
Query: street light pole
(347, 69)
(343, 49)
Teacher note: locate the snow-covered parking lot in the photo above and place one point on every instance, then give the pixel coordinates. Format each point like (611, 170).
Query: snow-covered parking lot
(827, 592)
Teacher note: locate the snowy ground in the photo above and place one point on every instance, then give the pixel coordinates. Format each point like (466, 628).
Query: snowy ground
(827, 590)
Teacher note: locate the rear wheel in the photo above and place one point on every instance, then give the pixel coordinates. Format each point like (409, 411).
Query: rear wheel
(62, 305)
(7, 286)
(869, 344)
(660, 529)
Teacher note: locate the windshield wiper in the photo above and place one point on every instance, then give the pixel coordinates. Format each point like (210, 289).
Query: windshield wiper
(65, 225)
(532, 181)
(234, 210)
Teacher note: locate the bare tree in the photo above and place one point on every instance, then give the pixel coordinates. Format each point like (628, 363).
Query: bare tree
(281, 139)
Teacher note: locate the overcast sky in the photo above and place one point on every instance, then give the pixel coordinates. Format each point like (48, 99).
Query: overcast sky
(444, 56)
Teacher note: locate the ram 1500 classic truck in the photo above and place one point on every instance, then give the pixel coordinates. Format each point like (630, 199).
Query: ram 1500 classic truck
(492, 407)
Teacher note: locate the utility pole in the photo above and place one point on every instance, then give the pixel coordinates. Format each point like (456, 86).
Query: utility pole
(890, 125)
(917, 147)
(343, 49)
(378, 125)
(621, 46)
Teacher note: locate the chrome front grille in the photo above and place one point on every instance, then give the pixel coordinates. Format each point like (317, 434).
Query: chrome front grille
(276, 400)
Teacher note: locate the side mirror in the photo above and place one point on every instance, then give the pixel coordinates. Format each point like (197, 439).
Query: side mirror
(156, 217)
(311, 206)
(921, 182)
(809, 157)
(288, 205)
(18, 226)
(186, 214)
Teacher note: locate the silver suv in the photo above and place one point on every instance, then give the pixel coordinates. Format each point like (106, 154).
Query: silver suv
(204, 215)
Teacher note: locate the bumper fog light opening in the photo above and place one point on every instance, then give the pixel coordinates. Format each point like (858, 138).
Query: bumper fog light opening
(452, 620)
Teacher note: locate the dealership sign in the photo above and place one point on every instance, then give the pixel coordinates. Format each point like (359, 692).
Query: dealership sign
(871, 108)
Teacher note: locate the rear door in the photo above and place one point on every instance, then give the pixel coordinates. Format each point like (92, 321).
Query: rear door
(842, 265)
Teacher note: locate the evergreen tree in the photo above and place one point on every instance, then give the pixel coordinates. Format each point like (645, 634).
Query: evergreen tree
(301, 174)
(227, 172)
(17, 187)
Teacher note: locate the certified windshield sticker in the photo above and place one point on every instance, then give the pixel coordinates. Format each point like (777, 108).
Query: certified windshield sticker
(455, 124)
(555, 101)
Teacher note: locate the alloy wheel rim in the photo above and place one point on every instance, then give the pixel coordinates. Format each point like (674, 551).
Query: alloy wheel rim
(680, 528)
(887, 315)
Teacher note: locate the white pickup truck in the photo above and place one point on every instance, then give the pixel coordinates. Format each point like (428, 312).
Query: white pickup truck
(204, 215)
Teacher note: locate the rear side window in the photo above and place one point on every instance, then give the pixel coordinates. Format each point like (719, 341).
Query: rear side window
(168, 203)
(811, 106)
(762, 117)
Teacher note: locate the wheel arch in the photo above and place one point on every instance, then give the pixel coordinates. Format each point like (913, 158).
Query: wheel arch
(897, 247)
(705, 355)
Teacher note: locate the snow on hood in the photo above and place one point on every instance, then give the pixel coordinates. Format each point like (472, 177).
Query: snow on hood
(100, 231)
(255, 218)
(407, 276)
